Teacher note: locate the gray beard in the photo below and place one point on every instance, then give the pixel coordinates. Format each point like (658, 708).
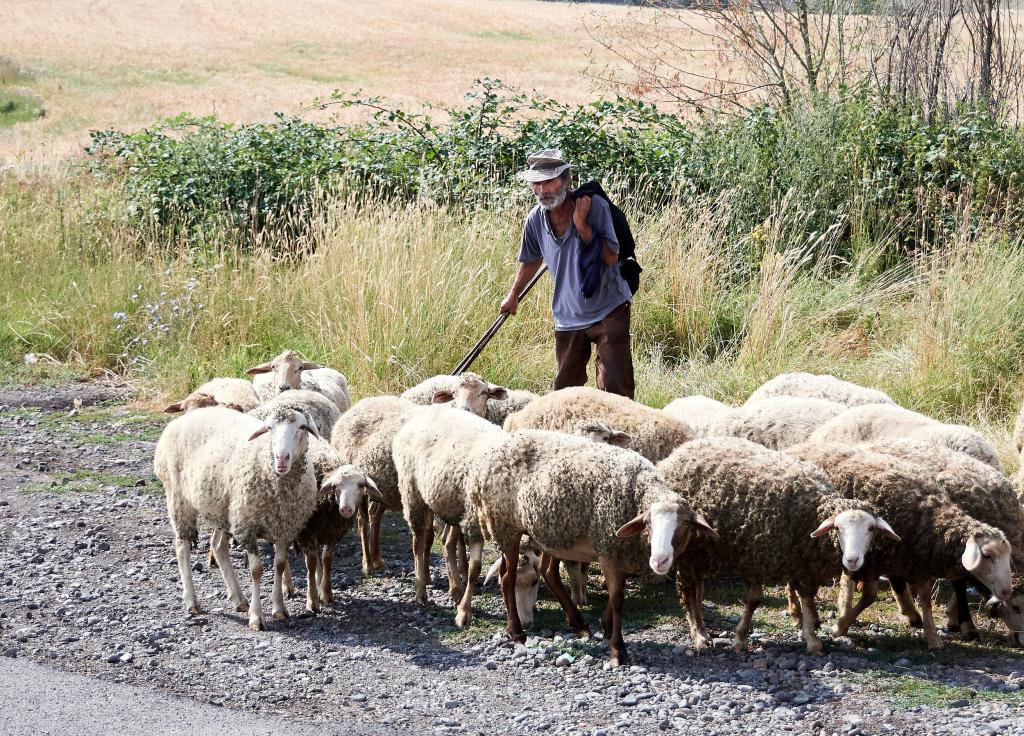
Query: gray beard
(559, 198)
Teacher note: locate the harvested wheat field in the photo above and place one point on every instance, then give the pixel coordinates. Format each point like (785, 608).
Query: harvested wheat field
(126, 64)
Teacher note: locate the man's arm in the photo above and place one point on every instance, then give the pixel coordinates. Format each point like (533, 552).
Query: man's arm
(580, 214)
(526, 272)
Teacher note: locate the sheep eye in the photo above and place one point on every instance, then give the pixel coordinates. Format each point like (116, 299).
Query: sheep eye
(986, 555)
(1016, 609)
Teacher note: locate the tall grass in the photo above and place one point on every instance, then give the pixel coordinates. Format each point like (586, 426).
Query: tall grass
(395, 292)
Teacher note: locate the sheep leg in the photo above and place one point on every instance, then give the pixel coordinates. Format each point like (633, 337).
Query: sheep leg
(616, 581)
(456, 585)
(793, 606)
(422, 539)
(750, 604)
(255, 604)
(312, 580)
(219, 548)
(462, 558)
(280, 568)
(960, 610)
(810, 622)
(465, 608)
(376, 517)
(364, 537)
(905, 601)
(211, 558)
(509, 566)
(286, 579)
(183, 551)
(693, 602)
(577, 572)
(549, 570)
(850, 614)
(324, 574)
(923, 593)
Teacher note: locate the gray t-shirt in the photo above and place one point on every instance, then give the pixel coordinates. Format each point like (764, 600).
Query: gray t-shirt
(562, 256)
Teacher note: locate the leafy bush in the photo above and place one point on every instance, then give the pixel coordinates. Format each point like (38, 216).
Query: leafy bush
(831, 160)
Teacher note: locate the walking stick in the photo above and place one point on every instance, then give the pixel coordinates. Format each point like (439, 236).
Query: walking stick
(495, 326)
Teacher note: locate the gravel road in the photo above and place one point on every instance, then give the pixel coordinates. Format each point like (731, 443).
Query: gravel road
(89, 585)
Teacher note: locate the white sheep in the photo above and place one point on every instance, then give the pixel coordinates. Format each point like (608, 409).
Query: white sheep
(578, 500)
(287, 371)
(778, 422)
(654, 434)
(432, 453)
(234, 393)
(825, 387)
(700, 412)
(317, 407)
(880, 422)
(248, 478)
(442, 389)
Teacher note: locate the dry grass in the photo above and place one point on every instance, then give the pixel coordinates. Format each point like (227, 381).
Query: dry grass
(125, 64)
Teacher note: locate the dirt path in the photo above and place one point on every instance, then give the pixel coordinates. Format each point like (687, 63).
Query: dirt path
(89, 585)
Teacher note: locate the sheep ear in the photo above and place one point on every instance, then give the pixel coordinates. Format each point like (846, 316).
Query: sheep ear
(497, 392)
(262, 368)
(234, 407)
(262, 430)
(883, 526)
(442, 397)
(326, 489)
(971, 558)
(633, 527)
(173, 408)
(620, 439)
(309, 366)
(310, 426)
(825, 527)
(371, 489)
(703, 527)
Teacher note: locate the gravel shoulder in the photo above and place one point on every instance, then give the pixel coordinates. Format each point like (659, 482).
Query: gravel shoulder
(89, 585)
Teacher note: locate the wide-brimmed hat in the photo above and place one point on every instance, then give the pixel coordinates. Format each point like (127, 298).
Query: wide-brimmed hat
(544, 165)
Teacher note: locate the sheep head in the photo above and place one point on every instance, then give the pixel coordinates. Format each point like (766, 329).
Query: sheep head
(855, 528)
(987, 557)
(348, 484)
(471, 393)
(287, 369)
(669, 526)
(289, 437)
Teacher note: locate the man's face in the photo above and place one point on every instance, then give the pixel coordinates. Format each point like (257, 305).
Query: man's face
(551, 193)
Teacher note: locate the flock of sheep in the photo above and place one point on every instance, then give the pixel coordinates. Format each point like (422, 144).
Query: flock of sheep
(813, 479)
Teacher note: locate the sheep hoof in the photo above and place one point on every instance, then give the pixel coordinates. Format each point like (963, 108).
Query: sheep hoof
(935, 643)
(815, 650)
(700, 643)
(281, 615)
(739, 646)
(256, 625)
(193, 609)
(971, 634)
(379, 565)
(838, 630)
(915, 623)
(463, 619)
(618, 659)
(242, 606)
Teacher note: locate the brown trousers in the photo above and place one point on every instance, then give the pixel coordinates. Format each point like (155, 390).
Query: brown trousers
(614, 358)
